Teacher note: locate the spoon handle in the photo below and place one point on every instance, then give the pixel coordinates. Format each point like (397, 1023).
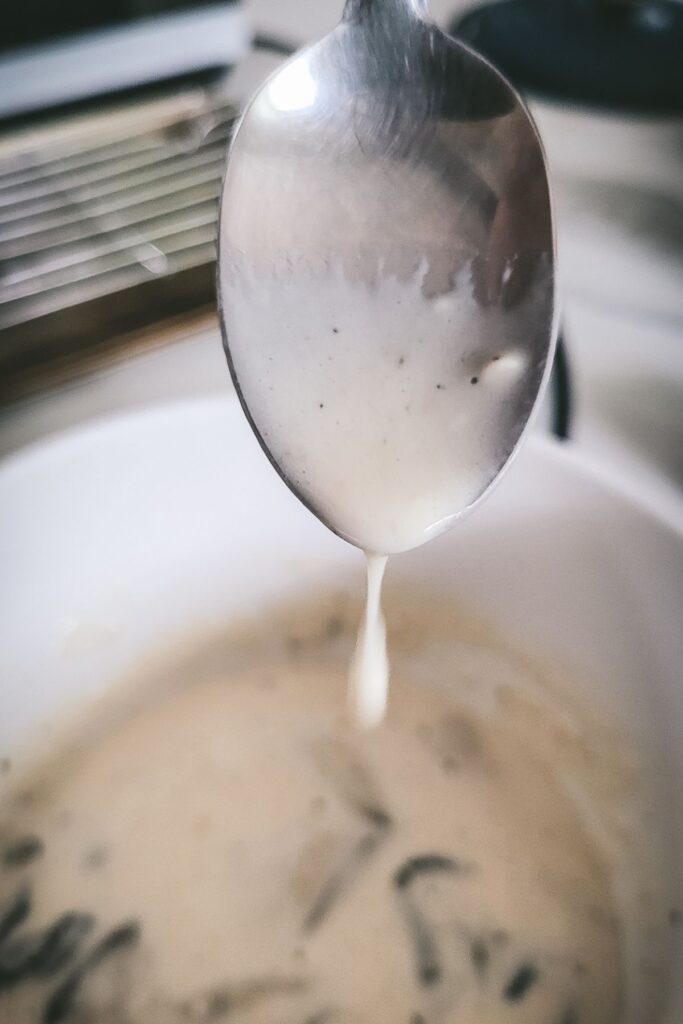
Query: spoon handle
(357, 9)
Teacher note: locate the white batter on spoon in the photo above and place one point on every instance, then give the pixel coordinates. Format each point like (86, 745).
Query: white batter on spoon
(378, 416)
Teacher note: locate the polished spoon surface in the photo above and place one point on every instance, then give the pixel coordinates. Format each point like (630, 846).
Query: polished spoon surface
(386, 274)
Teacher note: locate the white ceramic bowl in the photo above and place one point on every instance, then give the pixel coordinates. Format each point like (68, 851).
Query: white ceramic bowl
(117, 537)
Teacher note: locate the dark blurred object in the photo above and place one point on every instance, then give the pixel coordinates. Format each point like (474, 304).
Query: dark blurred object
(107, 226)
(40, 21)
(613, 54)
(561, 391)
(53, 53)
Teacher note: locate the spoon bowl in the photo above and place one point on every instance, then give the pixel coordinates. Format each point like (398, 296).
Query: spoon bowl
(386, 274)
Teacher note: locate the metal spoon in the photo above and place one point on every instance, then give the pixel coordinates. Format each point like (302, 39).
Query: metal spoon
(387, 159)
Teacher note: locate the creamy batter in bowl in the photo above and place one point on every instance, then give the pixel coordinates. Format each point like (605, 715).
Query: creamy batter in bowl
(114, 563)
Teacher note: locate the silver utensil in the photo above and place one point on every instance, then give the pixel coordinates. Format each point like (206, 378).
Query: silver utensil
(386, 156)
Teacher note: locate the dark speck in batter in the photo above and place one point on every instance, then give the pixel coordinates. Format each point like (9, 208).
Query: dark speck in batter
(23, 851)
(423, 864)
(520, 983)
(42, 955)
(570, 1016)
(481, 956)
(95, 858)
(62, 1005)
(15, 913)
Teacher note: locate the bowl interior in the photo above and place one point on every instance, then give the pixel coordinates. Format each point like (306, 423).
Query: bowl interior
(170, 522)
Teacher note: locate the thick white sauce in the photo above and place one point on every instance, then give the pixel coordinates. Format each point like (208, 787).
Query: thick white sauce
(389, 411)
(369, 679)
(382, 418)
